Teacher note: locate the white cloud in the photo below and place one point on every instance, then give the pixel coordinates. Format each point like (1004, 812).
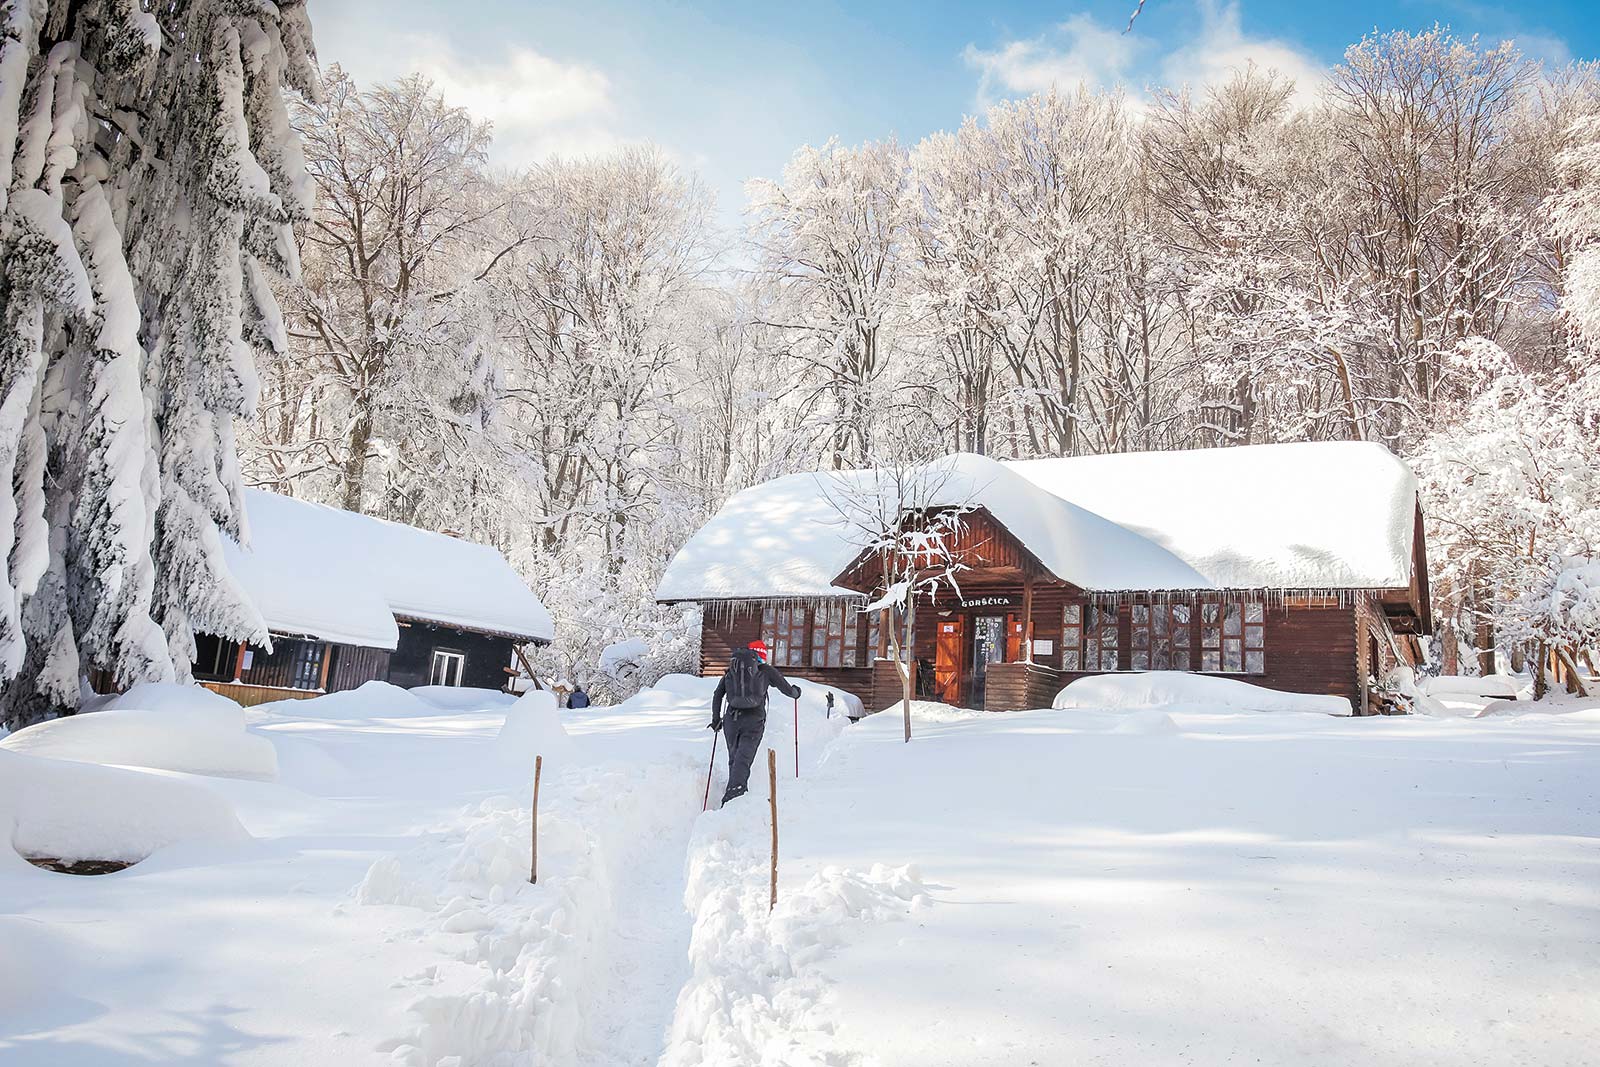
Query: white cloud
(1552, 51)
(1222, 48)
(1081, 50)
(540, 106)
(1078, 51)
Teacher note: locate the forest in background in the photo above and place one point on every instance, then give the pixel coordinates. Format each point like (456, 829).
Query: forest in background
(575, 364)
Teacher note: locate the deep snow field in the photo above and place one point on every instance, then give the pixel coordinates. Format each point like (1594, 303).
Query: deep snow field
(1082, 885)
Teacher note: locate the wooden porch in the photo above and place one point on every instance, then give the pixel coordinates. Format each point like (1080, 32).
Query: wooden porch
(249, 696)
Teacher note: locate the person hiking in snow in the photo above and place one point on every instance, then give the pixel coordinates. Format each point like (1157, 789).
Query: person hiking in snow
(744, 685)
(578, 698)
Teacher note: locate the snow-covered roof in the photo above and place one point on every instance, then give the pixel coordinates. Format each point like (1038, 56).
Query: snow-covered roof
(344, 577)
(1314, 515)
(1298, 516)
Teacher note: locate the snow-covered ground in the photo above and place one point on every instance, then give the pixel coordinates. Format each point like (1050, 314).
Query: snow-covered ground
(1076, 885)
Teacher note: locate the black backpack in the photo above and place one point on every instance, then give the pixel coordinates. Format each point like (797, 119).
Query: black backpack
(745, 681)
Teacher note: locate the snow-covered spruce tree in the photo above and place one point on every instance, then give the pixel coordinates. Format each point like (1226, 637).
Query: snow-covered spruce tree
(150, 182)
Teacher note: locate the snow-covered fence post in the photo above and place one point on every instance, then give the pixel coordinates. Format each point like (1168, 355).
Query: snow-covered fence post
(772, 803)
(533, 863)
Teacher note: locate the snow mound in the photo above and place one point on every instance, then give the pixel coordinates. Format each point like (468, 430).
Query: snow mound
(931, 711)
(157, 725)
(533, 728)
(462, 698)
(1188, 692)
(1146, 723)
(77, 811)
(370, 700)
(1488, 685)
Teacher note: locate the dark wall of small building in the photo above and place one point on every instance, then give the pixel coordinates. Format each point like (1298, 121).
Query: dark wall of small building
(354, 665)
(486, 656)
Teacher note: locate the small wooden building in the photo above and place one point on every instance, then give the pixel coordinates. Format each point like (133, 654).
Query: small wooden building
(1299, 567)
(349, 599)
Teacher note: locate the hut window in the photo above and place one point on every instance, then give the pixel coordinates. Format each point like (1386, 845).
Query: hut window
(1100, 639)
(1072, 638)
(1162, 637)
(305, 665)
(784, 631)
(836, 635)
(1140, 655)
(852, 634)
(1233, 638)
(446, 667)
(1255, 639)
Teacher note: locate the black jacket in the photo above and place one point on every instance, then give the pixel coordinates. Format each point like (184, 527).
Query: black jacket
(774, 681)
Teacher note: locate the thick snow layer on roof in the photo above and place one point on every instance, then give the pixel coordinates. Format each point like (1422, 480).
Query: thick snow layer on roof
(1333, 515)
(792, 536)
(1324, 515)
(343, 577)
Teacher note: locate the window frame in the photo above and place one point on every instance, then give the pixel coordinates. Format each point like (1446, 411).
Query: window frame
(447, 656)
(1072, 638)
(1099, 623)
(1232, 637)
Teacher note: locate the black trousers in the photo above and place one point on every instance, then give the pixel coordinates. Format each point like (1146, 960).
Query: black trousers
(744, 730)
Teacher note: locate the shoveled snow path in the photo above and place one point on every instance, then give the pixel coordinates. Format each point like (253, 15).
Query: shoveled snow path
(648, 948)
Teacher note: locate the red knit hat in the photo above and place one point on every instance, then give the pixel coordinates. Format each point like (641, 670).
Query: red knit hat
(759, 648)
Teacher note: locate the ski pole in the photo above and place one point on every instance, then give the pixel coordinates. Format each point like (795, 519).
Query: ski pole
(797, 737)
(705, 802)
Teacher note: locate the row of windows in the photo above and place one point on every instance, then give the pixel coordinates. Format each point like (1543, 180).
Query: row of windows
(1219, 638)
(825, 636)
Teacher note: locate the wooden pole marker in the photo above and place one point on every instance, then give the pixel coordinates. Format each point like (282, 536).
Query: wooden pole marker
(533, 864)
(772, 801)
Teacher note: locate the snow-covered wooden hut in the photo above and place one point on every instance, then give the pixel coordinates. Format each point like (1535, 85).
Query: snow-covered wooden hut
(349, 598)
(1300, 567)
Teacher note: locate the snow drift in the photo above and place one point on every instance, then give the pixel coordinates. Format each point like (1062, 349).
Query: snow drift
(157, 725)
(77, 811)
(533, 728)
(1181, 691)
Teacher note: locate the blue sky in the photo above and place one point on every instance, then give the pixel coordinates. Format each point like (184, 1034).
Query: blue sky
(729, 90)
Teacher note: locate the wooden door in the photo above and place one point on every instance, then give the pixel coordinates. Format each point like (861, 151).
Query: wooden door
(947, 661)
(1014, 636)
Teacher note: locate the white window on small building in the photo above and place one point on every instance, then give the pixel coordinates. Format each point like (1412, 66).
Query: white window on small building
(447, 667)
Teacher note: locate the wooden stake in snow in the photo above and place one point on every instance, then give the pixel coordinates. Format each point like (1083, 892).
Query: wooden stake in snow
(533, 865)
(772, 801)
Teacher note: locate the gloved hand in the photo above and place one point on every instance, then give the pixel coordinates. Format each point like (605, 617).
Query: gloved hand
(797, 692)
(715, 723)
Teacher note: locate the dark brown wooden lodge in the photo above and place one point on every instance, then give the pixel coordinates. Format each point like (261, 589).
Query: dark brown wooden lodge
(1015, 633)
(349, 599)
